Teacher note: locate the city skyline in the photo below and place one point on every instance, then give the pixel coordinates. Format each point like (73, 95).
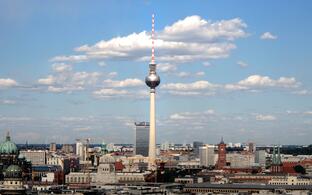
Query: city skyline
(233, 69)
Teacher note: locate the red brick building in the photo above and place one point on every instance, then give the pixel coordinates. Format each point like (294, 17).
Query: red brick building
(221, 163)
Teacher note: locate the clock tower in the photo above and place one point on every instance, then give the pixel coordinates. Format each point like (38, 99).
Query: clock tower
(221, 163)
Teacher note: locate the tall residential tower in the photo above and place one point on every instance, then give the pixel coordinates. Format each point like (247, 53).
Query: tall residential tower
(152, 80)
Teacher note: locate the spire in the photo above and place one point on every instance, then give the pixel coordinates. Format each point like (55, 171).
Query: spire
(8, 138)
(279, 159)
(222, 142)
(153, 37)
(274, 156)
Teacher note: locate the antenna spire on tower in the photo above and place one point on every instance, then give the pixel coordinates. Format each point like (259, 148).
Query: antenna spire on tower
(153, 34)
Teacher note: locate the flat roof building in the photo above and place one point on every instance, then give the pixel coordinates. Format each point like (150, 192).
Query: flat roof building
(141, 138)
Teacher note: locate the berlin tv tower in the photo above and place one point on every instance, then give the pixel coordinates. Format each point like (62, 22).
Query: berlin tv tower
(152, 80)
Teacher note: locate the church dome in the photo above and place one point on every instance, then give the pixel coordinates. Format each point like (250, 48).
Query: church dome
(8, 147)
(13, 171)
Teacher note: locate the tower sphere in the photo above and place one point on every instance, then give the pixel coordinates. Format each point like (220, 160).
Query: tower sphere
(152, 80)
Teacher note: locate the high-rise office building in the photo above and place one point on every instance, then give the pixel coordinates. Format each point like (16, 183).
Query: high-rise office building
(81, 150)
(251, 147)
(260, 157)
(196, 146)
(142, 138)
(207, 155)
(67, 148)
(53, 147)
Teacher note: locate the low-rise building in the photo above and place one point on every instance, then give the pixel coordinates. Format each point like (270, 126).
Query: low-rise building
(39, 172)
(106, 173)
(80, 180)
(193, 164)
(239, 160)
(68, 163)
(130, 177)
(188, 179)
(290, 180)
(36, 157)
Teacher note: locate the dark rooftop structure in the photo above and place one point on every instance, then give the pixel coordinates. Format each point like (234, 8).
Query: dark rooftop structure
(46, 168)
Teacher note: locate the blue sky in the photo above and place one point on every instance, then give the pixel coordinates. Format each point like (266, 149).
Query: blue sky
(237, 69)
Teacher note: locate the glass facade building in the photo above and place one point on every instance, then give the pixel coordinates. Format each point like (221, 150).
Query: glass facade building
(141, 138)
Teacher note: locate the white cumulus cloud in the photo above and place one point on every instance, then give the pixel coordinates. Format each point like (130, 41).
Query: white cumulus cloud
(131, 82)
(61, 67)
(242, 64)
(184, 74)
(261, 117)
(72, 58)
(190, 39)
(268, 36)
(190, 74)
(253, 83)
(198, 85)
(64, 79)
(49, 80)
(108, 93)
(195, 28)
(166, 67)
(258, 81)
(6, 83)
(192, 115)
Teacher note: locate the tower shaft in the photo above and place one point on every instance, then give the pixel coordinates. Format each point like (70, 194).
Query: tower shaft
(152, 138)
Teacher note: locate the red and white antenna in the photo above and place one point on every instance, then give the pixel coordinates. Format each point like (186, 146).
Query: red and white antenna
(153, 34)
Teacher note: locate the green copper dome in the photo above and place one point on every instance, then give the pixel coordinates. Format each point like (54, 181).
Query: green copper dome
(8, 147)
(13, 171)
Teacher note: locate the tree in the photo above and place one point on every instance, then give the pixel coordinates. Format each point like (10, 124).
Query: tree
(300, 169)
